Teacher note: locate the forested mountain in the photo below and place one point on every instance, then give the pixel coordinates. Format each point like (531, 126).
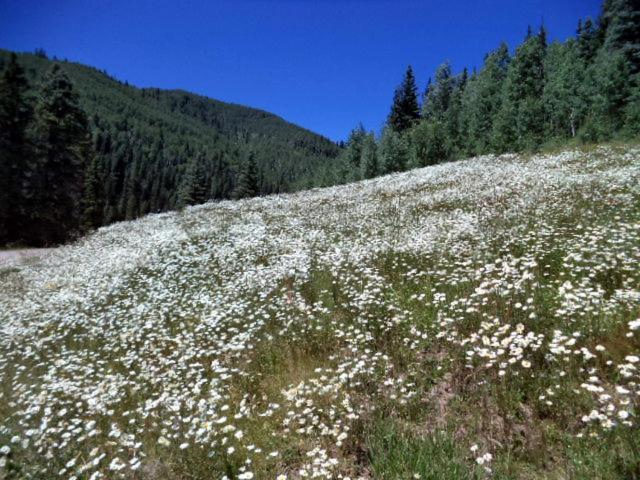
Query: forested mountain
(154, 150)
(586, 89)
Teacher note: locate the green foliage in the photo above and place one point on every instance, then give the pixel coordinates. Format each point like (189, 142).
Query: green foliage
(148, 141)
(481, 101)
(15, 166)
(607, 85)
(405, 110)
(394, 151)
(395, 453)
(438, 94)
(621, 22)
(563, 97)
(369, 159)
(520, 121)
(61, 148)
(247, 184)
(428, 144)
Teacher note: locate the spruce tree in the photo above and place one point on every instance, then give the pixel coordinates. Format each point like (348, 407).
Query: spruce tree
(520, 122)
(62, 146)
(394, 151)
(15, 155)
(369, 157)
(607, 85)
(481, 101)
(438, 94)
(247, 179)
(93, 201)
(621, 30)
(587, 40)
(405, 110)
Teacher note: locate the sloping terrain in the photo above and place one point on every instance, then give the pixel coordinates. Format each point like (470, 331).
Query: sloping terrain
(470, 320)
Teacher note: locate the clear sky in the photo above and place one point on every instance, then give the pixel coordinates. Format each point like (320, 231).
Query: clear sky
(323, 64)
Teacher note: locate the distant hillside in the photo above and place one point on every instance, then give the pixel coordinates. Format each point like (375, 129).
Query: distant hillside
(154, 144)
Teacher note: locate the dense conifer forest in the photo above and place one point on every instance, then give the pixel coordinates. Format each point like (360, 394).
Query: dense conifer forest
(80, 149)
(543, 94)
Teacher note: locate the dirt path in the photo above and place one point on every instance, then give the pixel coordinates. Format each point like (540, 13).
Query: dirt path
(20, 256)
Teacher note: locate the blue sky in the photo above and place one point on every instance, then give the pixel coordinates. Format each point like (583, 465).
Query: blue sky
(325, 65)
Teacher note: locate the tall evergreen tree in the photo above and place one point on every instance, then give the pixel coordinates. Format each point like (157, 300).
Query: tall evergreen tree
(620, 23)
(15, 155)
(247, 179)
(93, 201)
(481, 101)
(62, 145)
(405, 110)
(394, 151)
(438, 94)
(588, 40)
(369, 159)
(607, 84)
(520, 122)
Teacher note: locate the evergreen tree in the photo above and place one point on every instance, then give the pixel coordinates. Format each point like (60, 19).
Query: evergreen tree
(438, 94)
(454, 119)
(193, 187)
(520, 122)
(405, 110)
(369, 158)
(247, 179)
(428, 144)
(394, 151)
(632, 111)
(62, 145)
(352, 155)
(93, 203)
(481, 101)
(607, 84)
(621, 30)
(588, 40)
(15, 156)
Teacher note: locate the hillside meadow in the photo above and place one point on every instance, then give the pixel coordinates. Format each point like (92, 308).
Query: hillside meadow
(477, 319)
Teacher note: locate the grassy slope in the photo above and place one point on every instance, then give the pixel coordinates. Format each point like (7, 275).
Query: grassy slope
(471, 320)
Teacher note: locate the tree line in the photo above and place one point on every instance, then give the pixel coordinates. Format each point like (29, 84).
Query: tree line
(107, 151)
(586, 89)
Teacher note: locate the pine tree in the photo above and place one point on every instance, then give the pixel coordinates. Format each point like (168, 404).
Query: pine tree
(520, 122)
(352, 155)
(15, 155)
(632, 112)
(394, 151)
(607, 84)
(193, 186)
(428, 144)
(587, 40)
(62, 145)
(454, 119)
(620, 24)
(369, 157)
(438, 94)
(93, 202)
(481, 101)
(405, 110)
(247, 179)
